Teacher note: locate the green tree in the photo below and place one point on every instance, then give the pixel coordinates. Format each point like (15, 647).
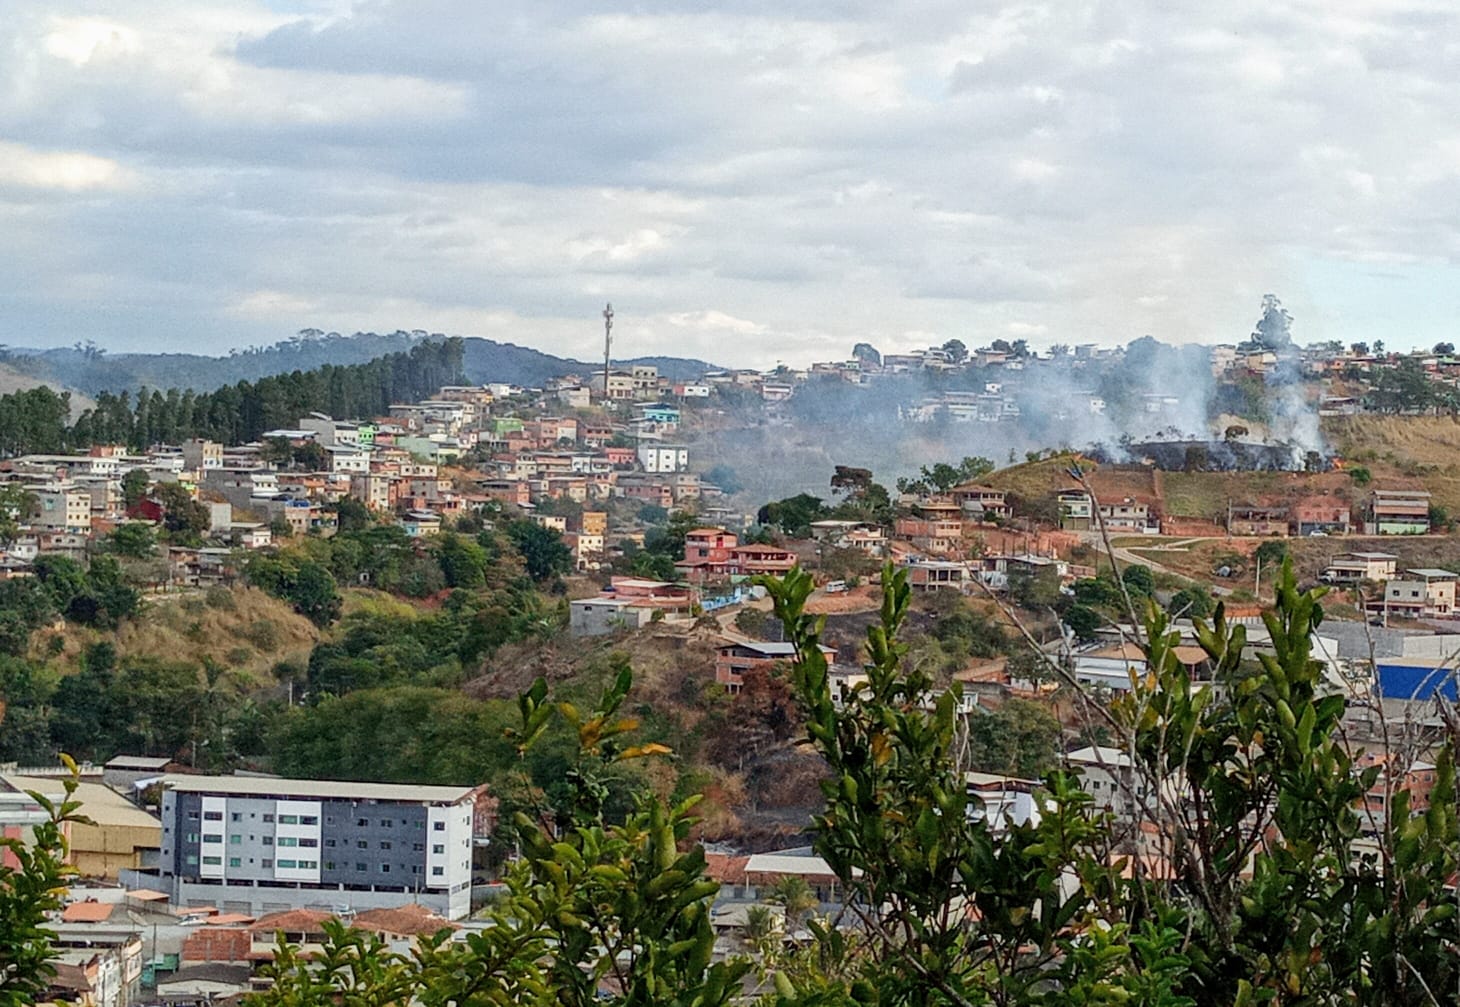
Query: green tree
(1191, 602)
(542, 549)
(184, 518)
(1271, 552)
(33, 878)
(1138, 580)
(133, 540)
(17, 505)
(1083, 621)
(1019, 738)
(793, 515)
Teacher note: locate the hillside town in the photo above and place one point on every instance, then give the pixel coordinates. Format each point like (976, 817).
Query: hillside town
(185, 881)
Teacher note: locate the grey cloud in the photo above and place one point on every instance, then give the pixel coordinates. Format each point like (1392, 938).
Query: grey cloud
(823, 171)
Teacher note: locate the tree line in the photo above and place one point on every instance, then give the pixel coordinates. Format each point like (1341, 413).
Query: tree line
(38, 420)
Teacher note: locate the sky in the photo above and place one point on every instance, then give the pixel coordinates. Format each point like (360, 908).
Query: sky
(748, 183)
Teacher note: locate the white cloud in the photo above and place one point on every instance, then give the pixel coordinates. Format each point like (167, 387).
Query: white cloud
(745, 181)
(64, 171)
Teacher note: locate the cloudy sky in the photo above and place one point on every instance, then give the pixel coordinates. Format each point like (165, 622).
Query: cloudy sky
(747, 182)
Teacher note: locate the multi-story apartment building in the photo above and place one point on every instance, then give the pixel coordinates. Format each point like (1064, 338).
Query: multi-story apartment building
(257, 845)
(63, 508)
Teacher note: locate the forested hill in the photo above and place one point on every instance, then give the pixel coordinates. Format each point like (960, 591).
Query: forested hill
(90, 369)
(40, 420)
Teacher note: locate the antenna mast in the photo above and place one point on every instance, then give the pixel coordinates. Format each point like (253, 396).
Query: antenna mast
(607, 343)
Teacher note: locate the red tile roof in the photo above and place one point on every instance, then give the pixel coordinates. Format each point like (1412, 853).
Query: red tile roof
(87, 912)
(411, 920)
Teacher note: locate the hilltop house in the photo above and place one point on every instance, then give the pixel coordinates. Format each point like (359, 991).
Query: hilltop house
(1357, 567)
(734, 659)
(1250, 520)
(1422, 593)
(1399, 512)
(1321, 515)
(981, 502)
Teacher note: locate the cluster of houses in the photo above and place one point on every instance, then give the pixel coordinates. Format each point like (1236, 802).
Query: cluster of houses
(424, 464)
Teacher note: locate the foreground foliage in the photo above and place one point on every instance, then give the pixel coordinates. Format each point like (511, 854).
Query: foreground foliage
(1250, 867)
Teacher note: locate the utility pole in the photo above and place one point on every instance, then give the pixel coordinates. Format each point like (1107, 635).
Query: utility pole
(607, 344)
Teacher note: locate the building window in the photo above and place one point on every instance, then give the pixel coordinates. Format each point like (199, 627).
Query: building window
(439, 826)
(192, 837)
(385, 844)
(268, 817)
(212, 839)
(268, 840)
(288, 841)
(438, 848)
(212, 816)
(384, 868)
(361, 867)
(267, 863)
(213, 861)
(330, 843)
(235, 862)
(361, 844)
(387, 823)
(309, 842)
(362, 822)
(417, 847)
(287, 865)
(308, 865)
(236, 816)
(192, 860)
(308, 819)
(436, 872)
(192, 816)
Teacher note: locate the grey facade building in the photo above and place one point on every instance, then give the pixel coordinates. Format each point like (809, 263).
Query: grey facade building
(262, 844)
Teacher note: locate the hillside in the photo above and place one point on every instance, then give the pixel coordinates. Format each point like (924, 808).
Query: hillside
(93, 370)
(13, 380)
(239, 628)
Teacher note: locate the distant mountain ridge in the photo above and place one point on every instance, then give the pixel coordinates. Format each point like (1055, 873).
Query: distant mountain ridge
(92, 370)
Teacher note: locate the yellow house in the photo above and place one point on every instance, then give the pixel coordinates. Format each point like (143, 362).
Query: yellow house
(121, 835)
